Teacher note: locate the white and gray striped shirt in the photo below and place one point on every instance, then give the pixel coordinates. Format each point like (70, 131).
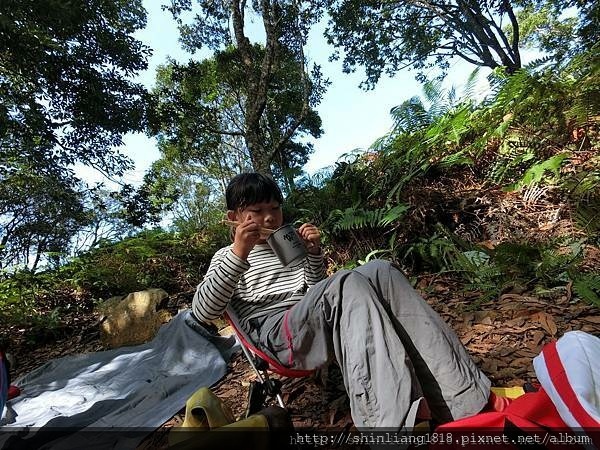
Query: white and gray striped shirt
(256, 287)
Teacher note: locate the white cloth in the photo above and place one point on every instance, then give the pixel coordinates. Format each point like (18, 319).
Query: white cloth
(134, 387)
(579, 355)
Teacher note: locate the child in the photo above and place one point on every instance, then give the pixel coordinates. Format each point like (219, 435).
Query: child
(392, 347)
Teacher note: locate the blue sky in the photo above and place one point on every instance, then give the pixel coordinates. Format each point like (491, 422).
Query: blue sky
(352, 118)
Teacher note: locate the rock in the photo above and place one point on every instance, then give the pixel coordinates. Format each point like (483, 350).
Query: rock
(134, 319)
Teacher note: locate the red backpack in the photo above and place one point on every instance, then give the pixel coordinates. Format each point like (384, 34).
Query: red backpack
(564, 413)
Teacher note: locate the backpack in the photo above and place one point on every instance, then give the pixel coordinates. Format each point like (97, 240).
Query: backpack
(563, 413)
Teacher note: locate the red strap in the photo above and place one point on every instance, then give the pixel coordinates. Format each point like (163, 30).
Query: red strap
(538, 408)
(274, 365)
(288, 337)
(558, 376)
(13, 391)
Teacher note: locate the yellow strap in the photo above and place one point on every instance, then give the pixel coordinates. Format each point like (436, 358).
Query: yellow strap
(254, 421)
(508, 392)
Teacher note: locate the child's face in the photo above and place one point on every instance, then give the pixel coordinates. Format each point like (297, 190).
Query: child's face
(265, 214)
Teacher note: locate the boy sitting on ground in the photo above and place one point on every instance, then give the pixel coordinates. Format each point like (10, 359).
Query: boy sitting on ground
(391, 346)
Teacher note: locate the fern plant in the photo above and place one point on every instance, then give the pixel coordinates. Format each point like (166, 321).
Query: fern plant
(587, 287)
(587, 216)
(548, 170)
(584, 73)
(559, 261)
(355, 218)
(435, 253)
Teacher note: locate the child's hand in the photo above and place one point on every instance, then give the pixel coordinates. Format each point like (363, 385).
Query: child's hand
(312, 237)
(247, 234)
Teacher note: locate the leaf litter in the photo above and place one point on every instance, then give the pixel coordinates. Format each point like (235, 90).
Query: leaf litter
(502, 336)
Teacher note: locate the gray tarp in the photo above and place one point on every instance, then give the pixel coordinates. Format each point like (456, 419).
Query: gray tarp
(133, 387)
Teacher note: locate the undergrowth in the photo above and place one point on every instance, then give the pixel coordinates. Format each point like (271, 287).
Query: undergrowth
(441, 193)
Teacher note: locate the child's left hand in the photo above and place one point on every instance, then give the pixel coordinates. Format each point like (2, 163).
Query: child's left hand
(312, 237)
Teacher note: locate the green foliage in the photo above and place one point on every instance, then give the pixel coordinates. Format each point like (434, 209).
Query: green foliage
(587, 216)
(544, 265)
(537, 172)
(66, 97)
(273, 91)
(341, 187)
(587, 286)
(39, 213)
(520, 138)
(154, 258)
(19, 306)
(529, 119)
(386, 37)
(172, 261)
(541, 28)
(201, 122)
(356, 218)
(65, 70)
(435, 253)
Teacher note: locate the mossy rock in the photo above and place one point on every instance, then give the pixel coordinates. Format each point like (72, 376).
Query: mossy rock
(134, 319)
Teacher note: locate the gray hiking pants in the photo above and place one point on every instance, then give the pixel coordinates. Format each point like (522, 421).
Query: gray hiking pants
(391, 346)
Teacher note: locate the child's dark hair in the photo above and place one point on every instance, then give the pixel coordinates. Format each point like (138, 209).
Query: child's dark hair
(249, 188)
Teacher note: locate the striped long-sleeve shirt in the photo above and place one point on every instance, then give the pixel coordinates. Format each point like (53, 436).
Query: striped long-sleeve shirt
(258, 286)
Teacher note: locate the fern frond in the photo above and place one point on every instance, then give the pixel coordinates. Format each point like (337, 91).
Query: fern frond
(393, 214)
(410, 116)
(587, 287)
(538, 63)
(538, 172)
(585, 184)
(469, 88)
(451, 97)
(382, 143)
(514, 257)
(455, 159)
(355, 218)
(533, 194)
(436, 252)
(588, 217)
(433, 92)
(512, 89)
(558, 261)
(508, 158)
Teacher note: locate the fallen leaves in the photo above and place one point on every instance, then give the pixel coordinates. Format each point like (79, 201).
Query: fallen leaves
(504, 335)
(592, 319)
(546, 321)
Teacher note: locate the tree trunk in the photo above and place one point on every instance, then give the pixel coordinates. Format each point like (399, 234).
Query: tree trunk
(258, 83)
(38, 254)
(261, 161)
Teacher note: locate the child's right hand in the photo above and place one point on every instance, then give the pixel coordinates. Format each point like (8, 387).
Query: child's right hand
(247, 234)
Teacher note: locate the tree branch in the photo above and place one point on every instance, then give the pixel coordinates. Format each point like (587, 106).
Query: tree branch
(223, 132)
(468, 59)
(516, 34)
(482, 32)
(242, 42)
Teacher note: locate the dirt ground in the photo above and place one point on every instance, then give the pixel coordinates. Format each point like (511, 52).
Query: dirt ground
(502, 336)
